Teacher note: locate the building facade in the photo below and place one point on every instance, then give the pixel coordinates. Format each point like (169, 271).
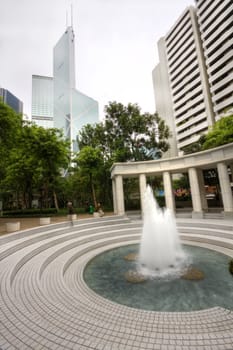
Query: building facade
(42, 101)
(55, 101)
(193, 79)
(220, 158)
(215, 20)
(11, 100)
(72, 109)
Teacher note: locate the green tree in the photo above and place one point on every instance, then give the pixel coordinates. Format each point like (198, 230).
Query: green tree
(90, 161)
(195, 146)
(221, 133)
(10, 126)
(51, 152)
(35, 163)
(126, 134)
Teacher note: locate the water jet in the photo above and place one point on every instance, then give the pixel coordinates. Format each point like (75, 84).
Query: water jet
(160, 252)
(159, 273)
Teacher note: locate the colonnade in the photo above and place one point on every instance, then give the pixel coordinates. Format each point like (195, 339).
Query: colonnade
(219, 158)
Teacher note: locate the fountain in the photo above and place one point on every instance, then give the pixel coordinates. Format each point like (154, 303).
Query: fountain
(160, 253)
(160, 273)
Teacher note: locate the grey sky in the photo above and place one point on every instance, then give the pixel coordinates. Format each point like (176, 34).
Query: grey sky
(116, 45)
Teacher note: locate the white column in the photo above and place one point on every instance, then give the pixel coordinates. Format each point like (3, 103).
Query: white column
(195, 193)
(225, 186)
(142, 185)
(201, 181)
(168, 191)
(120, 205)
(114, 196)
(231, 166)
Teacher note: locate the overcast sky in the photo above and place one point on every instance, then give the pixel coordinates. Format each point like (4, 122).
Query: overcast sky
(116, 45)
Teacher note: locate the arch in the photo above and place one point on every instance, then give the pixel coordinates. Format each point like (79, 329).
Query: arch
(219, 158)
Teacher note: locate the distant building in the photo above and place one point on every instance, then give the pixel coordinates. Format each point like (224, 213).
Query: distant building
(72, 109)
(11, 100)
(42, 101)
(215, 20)
(193, 82)
(55, 101)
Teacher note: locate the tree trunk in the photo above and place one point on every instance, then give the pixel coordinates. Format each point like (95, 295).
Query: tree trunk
(55, 200)
(93, 191)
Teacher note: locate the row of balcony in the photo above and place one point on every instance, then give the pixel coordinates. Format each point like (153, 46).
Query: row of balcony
(192, 131)
(173, 51)
(222, 83)
(215, 26)
(227, 68)
(210, 12)
(186, 89)
(189, 71)
(191, 112)
(188, 96)
(228, 44)
(183, 53)
(186, 80)
(191, 122)
(178, 30)
(217, 34)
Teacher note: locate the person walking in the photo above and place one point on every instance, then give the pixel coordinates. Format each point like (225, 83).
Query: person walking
(100, 210)
(70, 212)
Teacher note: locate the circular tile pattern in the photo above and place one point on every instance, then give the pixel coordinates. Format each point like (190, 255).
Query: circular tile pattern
(198, 288)
(45, 303)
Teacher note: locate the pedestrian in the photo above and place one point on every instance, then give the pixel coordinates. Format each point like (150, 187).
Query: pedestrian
(70, 212)
(100, 210)
(91, 209)
(87, 207)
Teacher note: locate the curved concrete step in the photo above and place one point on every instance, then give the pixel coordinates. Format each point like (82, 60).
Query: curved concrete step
(45, 303)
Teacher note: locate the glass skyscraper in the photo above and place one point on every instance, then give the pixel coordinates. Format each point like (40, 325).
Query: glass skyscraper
(55, 101)
(42, 101)
(72, 109)
(11, 100)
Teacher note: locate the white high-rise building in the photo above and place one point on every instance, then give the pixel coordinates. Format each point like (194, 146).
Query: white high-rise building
(42, 101)
(215, 20)
(193, 82)
(72, 109)
(55, 101)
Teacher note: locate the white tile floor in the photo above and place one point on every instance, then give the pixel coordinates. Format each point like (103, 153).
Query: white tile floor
(45, 304)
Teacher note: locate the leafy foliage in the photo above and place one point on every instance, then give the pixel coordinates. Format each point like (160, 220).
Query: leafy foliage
(221, 133)
(35, 157)
(195, 146)
(10, 124)
(126, 134)
(90, 161)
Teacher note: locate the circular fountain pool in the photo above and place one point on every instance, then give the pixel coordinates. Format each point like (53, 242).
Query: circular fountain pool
(105, 274)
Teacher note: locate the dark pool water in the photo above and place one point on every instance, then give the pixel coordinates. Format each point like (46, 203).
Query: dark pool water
(105, 274)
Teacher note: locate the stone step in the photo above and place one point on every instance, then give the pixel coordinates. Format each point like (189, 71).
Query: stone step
(45, 303)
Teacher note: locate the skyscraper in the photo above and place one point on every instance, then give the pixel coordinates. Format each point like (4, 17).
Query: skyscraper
(72, 109)
(193, 80)
(215, 20)
(11, 100)
(56, 100)
(42, 101)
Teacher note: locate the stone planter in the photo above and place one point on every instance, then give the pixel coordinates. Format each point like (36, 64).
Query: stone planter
(45, 221)
(96, 214)
(72, 217)
(12, 226)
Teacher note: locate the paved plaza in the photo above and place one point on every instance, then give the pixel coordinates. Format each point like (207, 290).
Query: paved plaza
(45, 303)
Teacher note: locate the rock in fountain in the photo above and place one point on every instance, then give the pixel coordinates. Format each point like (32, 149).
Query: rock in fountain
(161, 253)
